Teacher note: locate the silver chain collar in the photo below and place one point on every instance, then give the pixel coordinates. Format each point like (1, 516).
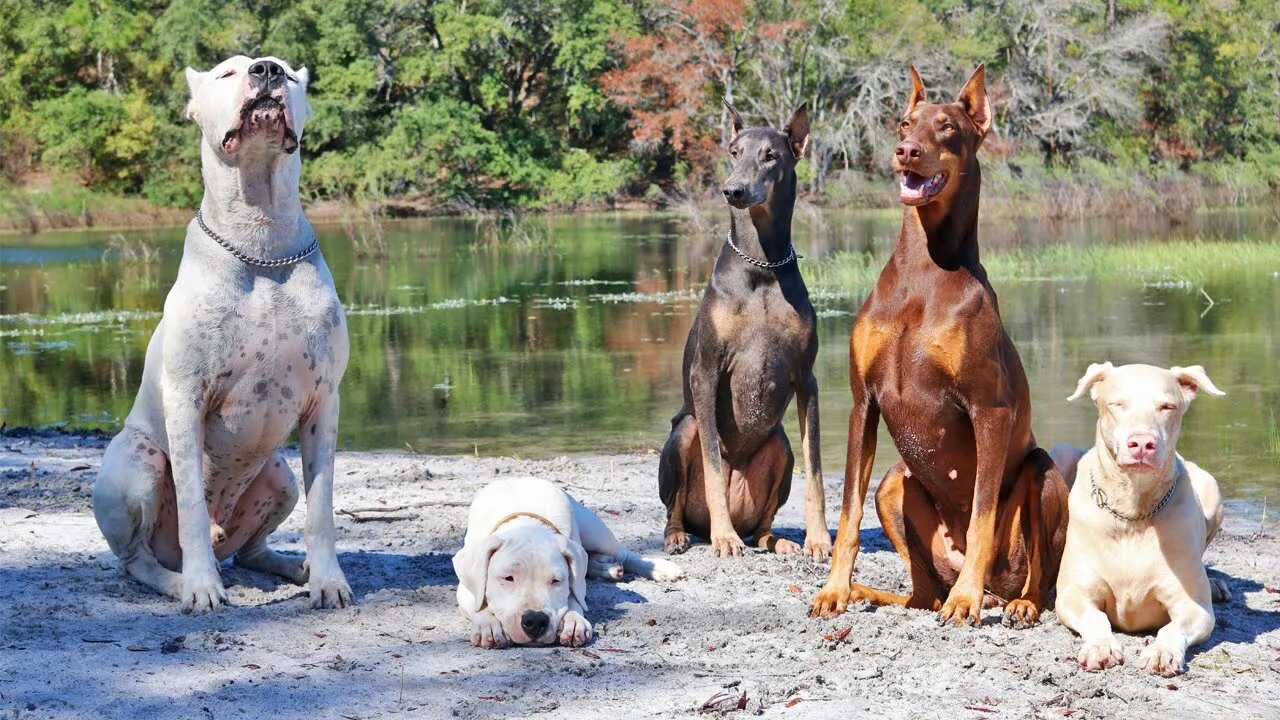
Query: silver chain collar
(761, 263)
(258, 262)
(1100, 499)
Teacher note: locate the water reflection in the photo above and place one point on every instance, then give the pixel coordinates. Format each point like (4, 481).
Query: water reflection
(568, 338)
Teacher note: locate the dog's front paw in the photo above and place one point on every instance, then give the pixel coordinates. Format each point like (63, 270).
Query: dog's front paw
(830, 602)
(783, 546)
(676, 542)
(728, 545)
(1219, 591)
(1020, 614)
(961, 608)
(202, 591)
(331, 592)
(1160, 660)
(575, 631)
(1100, 655)
(486, 632)
(818, 546)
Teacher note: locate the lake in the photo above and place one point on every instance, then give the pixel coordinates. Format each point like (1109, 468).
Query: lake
(564, 333)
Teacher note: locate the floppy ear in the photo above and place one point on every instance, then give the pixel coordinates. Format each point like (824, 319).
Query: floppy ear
(735, 118)
(577, 559)
(1095, 373)
(917, 90)
(798, 130)
(973, 98)
(195, 79)
(471, 565)
(1192, 380)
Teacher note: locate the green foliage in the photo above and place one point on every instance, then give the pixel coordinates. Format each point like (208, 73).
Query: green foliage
(503, 103)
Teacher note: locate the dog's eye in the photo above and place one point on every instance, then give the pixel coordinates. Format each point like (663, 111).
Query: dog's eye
(509, 578)
(733, 152)
(227, 74)
(1166, 407)
(555, 581)
(948, 127)
(905, 124)
(769, 156)
(292, 79)
(1116, 405)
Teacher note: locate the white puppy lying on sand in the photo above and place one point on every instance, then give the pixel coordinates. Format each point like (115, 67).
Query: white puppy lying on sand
(1141, 517)
(523, 567)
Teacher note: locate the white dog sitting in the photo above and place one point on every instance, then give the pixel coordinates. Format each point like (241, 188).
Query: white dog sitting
(252, 344)
(1141, 517)
(523, 567)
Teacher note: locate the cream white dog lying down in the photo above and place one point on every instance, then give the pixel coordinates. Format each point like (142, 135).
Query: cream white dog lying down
(523, 567)
(1141, 517)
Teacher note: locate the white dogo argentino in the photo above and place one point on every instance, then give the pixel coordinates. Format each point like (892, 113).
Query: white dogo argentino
(1141, 517)
(523, 566)
(252, 344)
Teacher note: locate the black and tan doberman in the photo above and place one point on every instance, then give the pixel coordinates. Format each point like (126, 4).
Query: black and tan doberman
(975, 509)
(726, 468)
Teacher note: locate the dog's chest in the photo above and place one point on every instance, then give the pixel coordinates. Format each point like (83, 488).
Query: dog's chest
(284, 348)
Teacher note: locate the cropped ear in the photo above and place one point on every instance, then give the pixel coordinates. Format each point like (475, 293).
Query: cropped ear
(1095, 373)
(304, 76)
(798, 130)
(973, 98)
(195, 79)
(1192, 380)
(917, 90)
(577, 559)
(735, 118)
(471, 565)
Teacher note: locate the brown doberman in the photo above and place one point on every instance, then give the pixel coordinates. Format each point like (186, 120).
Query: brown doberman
(726, 468)
(975, 508)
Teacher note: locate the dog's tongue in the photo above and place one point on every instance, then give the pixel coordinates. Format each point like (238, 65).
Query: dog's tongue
(916, 187)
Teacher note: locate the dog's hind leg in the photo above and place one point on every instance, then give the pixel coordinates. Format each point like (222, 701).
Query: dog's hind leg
(262, 507)
(1036, 519)
(679, 465)
(771, 467)
(908, 517)
(607, 559)
(134, 490)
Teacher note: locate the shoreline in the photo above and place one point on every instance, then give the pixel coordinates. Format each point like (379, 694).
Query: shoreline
(92, 643)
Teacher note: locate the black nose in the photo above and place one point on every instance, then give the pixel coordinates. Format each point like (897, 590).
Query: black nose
(534, 623)
(734, 192)
(908, 150)
(266, 70)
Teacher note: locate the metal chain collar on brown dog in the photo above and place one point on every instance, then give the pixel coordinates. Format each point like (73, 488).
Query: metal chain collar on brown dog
(249, 259)
(1100, 499)
(761, 263)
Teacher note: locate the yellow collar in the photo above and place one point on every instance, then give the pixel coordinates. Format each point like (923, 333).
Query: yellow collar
(535, 516)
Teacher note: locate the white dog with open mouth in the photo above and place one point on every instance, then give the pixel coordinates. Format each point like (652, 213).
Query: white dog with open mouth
(1141, 517)
(523, 566)
(253, 343)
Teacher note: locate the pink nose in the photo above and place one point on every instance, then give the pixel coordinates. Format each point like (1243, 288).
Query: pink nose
(1142, 446)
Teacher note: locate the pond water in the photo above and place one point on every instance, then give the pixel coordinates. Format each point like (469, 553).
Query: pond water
(565, 334)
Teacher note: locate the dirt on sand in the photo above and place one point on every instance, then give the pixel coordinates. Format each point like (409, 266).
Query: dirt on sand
(79, 639)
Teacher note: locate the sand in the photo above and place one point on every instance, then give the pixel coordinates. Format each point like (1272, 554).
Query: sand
(78, 639)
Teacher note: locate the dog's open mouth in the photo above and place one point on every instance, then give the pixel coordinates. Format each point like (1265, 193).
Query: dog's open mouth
(917, 189)
(265, 117)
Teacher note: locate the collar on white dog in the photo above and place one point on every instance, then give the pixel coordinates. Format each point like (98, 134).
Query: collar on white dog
(1100, 499)
(249, 259)
(535, 516)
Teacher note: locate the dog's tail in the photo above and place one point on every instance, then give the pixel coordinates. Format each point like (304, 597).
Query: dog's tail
(652, 568)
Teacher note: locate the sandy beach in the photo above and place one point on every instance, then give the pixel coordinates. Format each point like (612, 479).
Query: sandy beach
(78, 639)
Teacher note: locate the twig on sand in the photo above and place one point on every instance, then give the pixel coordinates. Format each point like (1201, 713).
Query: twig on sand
(724, 701)
(1262, 523)
(376, 518)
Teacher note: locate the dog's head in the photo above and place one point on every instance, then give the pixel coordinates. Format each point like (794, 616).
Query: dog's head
(525, 576)
(250, 106)
(938, 142)
(1140, 409)
(762, 159)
